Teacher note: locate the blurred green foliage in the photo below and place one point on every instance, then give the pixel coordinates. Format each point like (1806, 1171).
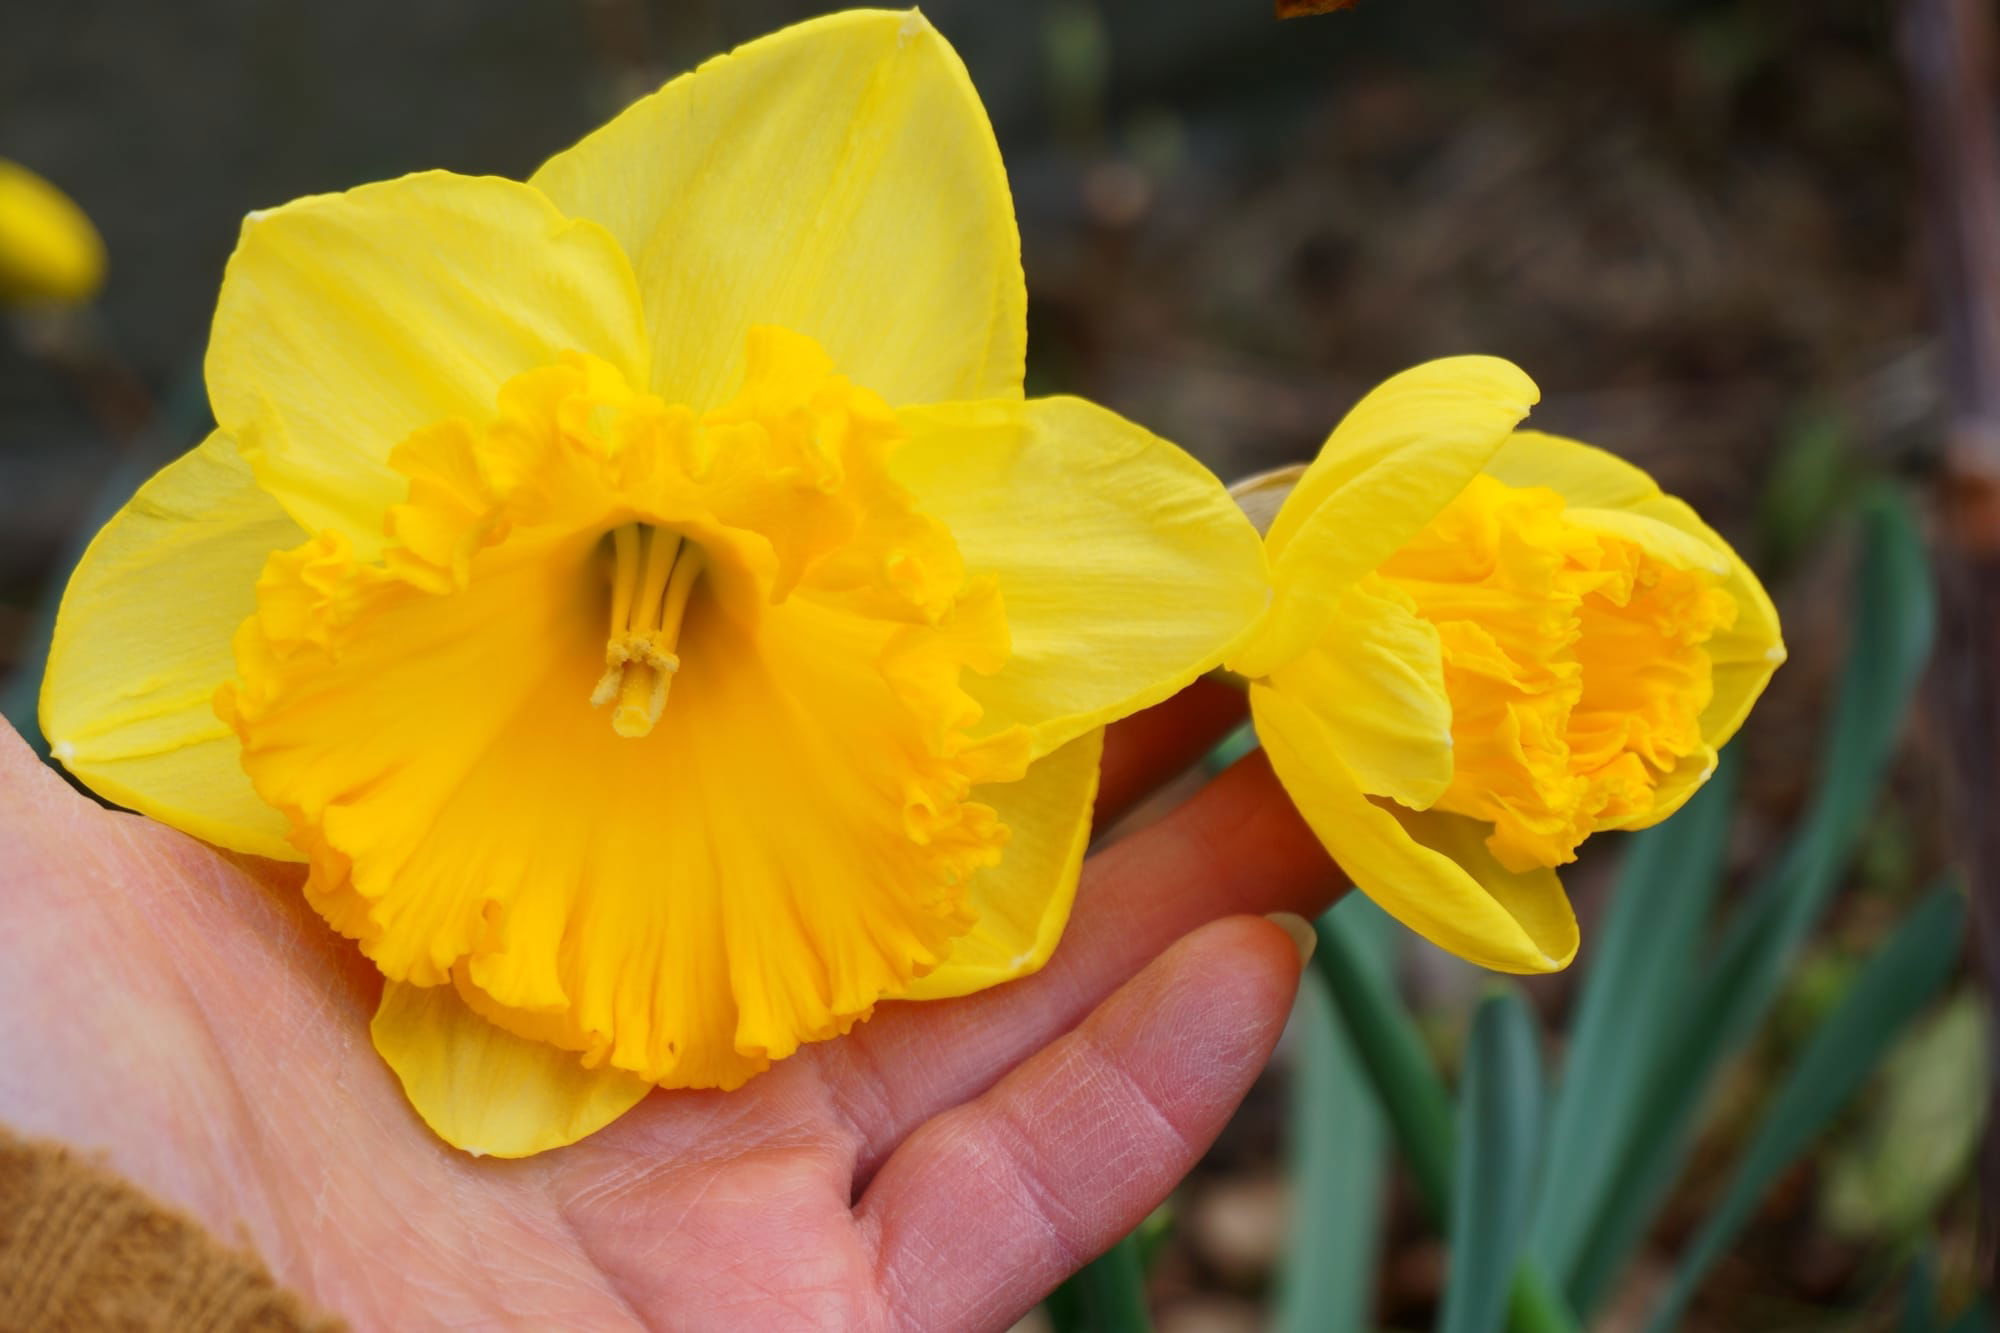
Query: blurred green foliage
(1917, 1137)
(1339, 1151)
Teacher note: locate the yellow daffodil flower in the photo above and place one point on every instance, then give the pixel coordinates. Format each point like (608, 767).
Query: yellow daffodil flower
(1485, 645)
(49, 252)
(643, 596)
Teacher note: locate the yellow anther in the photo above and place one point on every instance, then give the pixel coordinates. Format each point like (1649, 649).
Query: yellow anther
(653, 574)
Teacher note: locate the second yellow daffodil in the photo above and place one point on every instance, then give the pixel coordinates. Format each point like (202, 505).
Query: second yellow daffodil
(642, 594)
(1485, 645)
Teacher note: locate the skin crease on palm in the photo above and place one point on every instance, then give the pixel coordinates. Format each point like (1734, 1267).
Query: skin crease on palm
(181, 1011)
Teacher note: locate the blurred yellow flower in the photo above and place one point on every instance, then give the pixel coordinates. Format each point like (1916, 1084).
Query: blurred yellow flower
(1485, 645)
(49, 252)
(675, 633)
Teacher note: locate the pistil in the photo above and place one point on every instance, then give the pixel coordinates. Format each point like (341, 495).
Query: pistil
(653, 573)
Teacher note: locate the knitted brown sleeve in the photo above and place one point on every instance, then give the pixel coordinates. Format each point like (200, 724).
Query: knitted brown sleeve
(82, 1250)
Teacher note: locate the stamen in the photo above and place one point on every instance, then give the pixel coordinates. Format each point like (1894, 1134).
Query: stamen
(652, 577)
(625, 573)
(661, 548)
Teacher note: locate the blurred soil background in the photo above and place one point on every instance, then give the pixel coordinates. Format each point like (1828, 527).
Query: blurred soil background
(1695, 224)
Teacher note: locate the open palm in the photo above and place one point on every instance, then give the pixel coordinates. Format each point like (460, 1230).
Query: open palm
(182, 1010)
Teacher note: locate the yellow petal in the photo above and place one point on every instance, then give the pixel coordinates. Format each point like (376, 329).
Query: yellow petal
(1387, 470)
(49, 251)
(1663, 541)
(838, 178)
(1431, 872)
(1125, 568)
(1024, 902)
(1431, 418)
(1750, 650)
(142, 641)
(1534, 899)
(348, 321)
(487, 1091)
(1584, 475)
(1746, 653)
(1376, 680)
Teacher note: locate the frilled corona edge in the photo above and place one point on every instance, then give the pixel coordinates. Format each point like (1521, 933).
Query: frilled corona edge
(791, 792)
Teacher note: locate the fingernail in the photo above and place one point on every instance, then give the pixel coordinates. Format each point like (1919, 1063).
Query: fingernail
(1304, 938)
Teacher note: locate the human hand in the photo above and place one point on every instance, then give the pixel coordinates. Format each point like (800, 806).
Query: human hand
(943, 1167)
